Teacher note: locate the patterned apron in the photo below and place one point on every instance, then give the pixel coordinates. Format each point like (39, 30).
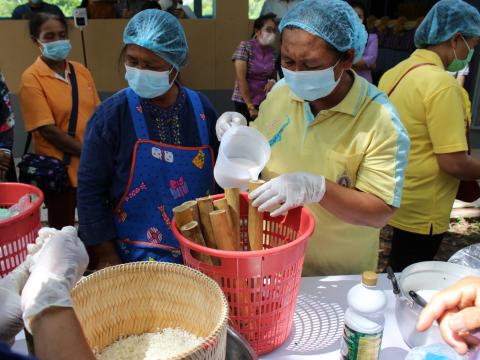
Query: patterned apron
(162, 177)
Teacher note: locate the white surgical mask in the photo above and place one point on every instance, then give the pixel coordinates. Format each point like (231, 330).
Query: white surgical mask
(148, 84)
(266, 38)
(312, 85)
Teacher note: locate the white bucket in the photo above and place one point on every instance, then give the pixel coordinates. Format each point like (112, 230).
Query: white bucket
(243, 154)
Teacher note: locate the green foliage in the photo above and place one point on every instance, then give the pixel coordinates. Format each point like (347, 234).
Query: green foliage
(254, 8)
(67, 6)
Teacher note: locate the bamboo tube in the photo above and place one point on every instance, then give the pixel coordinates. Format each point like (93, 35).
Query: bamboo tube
(255, 220)
(182, 215)
(205, 207)
(222, 204)
(192, 232)
(222, 230)
(233, 199)
(192, 204)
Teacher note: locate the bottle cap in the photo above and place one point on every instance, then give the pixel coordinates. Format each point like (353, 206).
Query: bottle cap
(369, 278)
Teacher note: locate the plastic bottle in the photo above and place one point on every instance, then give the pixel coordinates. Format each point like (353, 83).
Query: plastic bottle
(364, 320)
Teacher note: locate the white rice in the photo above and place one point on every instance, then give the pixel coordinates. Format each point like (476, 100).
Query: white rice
(151, 346)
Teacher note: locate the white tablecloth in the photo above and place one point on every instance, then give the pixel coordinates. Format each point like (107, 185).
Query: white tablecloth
(318, 321)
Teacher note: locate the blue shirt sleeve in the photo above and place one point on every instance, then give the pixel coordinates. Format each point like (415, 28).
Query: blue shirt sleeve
(7, 354)
(212, 116)
(95, 174)
(18, 13)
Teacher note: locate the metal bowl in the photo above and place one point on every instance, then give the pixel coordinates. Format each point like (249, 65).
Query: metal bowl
(427, 275)
(238, 348)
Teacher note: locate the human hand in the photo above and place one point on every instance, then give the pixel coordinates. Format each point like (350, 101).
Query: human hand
(11, 322)
(288, 191)
(56, 269)
(457, 310)
(253, 113)
(103, 255)
(5, 156)
(227, 120)
(268, 86)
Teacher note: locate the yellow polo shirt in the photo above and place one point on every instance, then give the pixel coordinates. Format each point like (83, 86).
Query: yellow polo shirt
(359, 143)
(432, 108)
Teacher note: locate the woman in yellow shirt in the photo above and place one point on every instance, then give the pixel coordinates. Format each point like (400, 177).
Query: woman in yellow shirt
(46, 103)
(432, 108)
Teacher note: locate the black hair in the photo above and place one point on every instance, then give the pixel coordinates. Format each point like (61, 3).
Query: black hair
(258, 23)
(360, 5)
(151, 5)
(37, 20)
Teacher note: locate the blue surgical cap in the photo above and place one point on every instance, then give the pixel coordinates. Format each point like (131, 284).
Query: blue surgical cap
(334, 21)
(160, 32)
(444, 20)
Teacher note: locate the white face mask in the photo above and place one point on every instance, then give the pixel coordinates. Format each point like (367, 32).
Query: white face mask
(266, 38)
(165, 4)
(148, 84)
(312, 85)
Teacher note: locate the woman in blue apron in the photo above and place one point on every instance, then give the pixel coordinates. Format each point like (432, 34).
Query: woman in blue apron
(147, 149)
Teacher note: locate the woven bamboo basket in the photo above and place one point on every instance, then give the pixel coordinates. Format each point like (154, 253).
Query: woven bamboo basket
(142, 297)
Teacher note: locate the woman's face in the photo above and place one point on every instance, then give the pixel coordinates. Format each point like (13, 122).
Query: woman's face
(52, 30)
(460, 45)
(144, 59)
(302, 51)
(360, 14)
(269, 27)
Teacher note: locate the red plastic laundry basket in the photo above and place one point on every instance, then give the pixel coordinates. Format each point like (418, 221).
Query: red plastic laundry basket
(20, 230)
(261, 286)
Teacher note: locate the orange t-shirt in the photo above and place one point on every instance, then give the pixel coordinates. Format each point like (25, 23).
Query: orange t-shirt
(46, 99)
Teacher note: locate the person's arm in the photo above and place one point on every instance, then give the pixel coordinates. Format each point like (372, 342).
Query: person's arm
(457, 309)
(461, 80)
(46, 303)
(211, 115)
(377, 187)
(241, 76)
(39, 117)
(59, 336)
(95, 174)
(17, 14)
(445, 114)
(356, 207)
(459, 165)
(61, 140)
(369, 59)
(7, 122)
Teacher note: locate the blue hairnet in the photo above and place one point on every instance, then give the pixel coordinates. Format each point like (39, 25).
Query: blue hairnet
(160, 32)
(445, 19)
(334, 21)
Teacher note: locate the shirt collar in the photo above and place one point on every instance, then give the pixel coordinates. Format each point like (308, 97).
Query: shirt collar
(350, 103)
(427, 56)
(44, 70)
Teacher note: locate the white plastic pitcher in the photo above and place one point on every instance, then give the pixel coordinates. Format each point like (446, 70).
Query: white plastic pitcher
(243, 154)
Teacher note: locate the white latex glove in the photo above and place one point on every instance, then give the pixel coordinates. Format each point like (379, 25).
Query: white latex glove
(57, 268)
(227, 120)
(288, 191)
(11, 322)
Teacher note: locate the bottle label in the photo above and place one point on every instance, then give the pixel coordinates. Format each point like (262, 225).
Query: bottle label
(360, 346)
